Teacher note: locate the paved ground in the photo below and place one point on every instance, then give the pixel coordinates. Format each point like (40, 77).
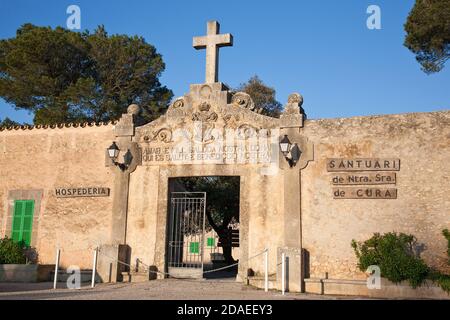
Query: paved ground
(154, 290)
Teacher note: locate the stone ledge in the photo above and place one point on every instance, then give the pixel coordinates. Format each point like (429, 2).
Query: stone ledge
(339, 281)
(349, 287)
(389, 290)
(25, 272)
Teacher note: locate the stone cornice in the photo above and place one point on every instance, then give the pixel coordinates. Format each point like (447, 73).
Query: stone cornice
(59, 125)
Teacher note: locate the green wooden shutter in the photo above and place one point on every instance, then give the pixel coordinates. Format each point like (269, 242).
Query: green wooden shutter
(211, 242)
(17, 221)
(194, 247)
(27, 221)
(23, 221)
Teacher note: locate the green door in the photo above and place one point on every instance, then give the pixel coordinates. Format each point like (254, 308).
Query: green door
(23, 221)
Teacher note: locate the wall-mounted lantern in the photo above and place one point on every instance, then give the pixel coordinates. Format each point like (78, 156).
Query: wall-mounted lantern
(113, 152)
(291, 152)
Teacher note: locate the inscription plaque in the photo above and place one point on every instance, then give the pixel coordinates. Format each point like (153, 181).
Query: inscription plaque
(368, 178)
(362, 164)
(82, 192)
(364, 193)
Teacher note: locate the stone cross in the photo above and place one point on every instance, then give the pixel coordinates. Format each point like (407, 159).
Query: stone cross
(212, 42)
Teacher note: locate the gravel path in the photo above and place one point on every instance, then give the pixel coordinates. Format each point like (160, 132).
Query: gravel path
(168, 289)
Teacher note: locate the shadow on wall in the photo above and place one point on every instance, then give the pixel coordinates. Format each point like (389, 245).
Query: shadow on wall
(306, 267)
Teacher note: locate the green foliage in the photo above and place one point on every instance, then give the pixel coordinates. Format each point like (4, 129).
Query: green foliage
(443, 280)
(446, 234)
(394, 254)
(11, 252)
(7, 122)
(66, 76)
(428, 33)
(222, 203)
(262, 95)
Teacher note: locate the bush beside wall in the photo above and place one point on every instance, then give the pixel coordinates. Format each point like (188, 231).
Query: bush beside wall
(11, 252)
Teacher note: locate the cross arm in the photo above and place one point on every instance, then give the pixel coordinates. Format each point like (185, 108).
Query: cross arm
(224, 40)
(199, 42)
(221, 40)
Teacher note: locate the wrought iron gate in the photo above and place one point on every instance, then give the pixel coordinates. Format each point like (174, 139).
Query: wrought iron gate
(186, 234)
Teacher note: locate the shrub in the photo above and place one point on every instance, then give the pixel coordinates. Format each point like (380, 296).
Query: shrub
(446, 234)
(443, 280)
(11, 252)
(394, 254)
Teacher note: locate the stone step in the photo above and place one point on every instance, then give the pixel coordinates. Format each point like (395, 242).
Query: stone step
(135, 276)
(258, 282)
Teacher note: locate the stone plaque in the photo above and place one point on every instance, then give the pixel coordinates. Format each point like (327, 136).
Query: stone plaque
(82, 192)
(362, 164)
(364, 193)
(214, 154)
(368, 178)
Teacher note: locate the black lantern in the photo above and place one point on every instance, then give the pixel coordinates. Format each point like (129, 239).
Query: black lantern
(291, 152)
(285, 145)
(113, 151)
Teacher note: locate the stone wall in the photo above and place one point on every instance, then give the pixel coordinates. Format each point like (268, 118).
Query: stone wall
(422, 143)
(33, 162)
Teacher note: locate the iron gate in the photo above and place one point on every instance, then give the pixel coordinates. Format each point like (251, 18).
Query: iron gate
(186, 234)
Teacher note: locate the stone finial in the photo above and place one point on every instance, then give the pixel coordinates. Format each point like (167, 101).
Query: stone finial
(127, 122)
(133, 109)
(294, 105)
(295, 98)
(293, 114)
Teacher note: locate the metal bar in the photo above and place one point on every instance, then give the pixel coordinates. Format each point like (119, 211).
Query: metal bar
(188, 225)
(195, 231)
(178, 255)
(283, 273)
(184, 244)
(177, 232)
(266, 270)
(204, 223)
(94, 267)
(55, 279)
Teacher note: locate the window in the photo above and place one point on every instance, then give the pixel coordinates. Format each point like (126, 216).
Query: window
(22, 221)
(194, 247)
(211, 242)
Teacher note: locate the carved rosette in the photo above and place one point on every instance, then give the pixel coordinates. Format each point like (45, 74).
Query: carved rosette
(178, 103)
(161, 135)
(243, 100)
(204, 113)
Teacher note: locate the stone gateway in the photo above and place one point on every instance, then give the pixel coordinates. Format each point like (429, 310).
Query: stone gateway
(340, 179)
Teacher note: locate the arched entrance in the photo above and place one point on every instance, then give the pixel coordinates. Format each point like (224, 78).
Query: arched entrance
(203, 226)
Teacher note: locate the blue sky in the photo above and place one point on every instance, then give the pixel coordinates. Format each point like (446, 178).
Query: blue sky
(321, 49)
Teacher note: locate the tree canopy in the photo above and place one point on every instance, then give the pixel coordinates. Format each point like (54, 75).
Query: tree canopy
(428, 33)
(263, 96)
(7, 122)
(66, 76)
